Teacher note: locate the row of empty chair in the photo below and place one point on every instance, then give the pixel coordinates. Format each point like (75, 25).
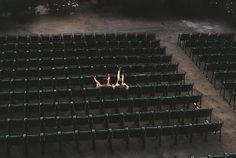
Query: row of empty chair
(186, 37)
(86, 61)
(211, 50)
(102, 106)
(50, 95)
(43, 72)
(73, 53)
(76, 37)
(78, 45)
(106, 121)
(217, 62)
(220, 43)
(225, 155)
(19, 68)
(110, 135)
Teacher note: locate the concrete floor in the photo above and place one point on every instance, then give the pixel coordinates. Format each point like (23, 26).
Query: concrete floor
(167, 29)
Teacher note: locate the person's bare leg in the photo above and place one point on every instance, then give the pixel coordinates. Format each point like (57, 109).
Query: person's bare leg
(108, 79)
(122, 79)
(126, 86)
(123, 82)
(118, 75)
(98, 84)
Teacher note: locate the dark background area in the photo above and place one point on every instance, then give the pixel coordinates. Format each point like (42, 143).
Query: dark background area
(160, 7)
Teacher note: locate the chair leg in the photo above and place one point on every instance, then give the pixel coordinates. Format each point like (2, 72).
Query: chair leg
(191, 138)
(214, 83)
(127, 138)
(110, 139)
(234, 101)
(224, 92)
(159, 140)
(221, 88)
(7, 146)
(230, 99)
(220, 134)
(93, 139)
(176, 140)
(76, 132)
(206, 136)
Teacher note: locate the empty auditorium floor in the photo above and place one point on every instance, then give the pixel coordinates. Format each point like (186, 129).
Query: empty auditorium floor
(167, 30)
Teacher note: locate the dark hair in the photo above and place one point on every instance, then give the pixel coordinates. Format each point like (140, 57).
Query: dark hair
(105, 80)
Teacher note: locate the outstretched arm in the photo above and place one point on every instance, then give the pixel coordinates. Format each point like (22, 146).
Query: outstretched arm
(123, 82)
(97, 82)
(95, 79)
(118, 75)
(122, 79)
(108, 79)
